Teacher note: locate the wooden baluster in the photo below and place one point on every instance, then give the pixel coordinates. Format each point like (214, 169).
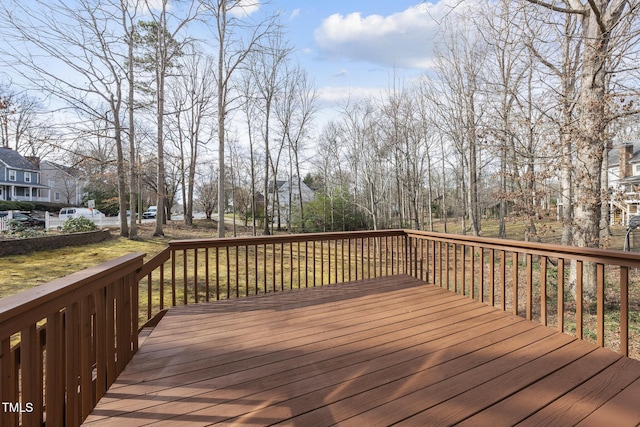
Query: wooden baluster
(481, 287)
(86, 364)
(455, 268)
(72, 408)
(290, 265)
(55, 364)
(313, 247)
(492, 277)
(161, 286)
(624, 311)
(341, 260)
(217, 273)
(237, 268)
(543, 291)
(110, 336)
(185, 282)
(472, 271)
(100, 344)
(600, 302)
(298, 255)
(149, 295)
(255, 269)
(514, 278)
(529, 309)
(561, 294)
(503, 282)
(392, 257)
(196, 297)
(173, 279)
(31, 375)
(422, 258)
(579, 299)
(264, 267)
(207, 282)
(281, 266)
(329, 261)
(8, 385)
(463, 264)
(361, 258)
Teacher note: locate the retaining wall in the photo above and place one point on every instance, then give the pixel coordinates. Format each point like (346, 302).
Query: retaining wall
(31, 244)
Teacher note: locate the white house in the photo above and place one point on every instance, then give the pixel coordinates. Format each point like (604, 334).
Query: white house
(624, 181)
(285, 188)
(66, 183)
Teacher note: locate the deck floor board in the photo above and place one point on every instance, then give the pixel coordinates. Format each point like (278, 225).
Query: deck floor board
(373, 352)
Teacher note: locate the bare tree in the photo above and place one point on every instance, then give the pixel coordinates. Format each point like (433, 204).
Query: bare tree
(459, 66)
(295, 109)
(231, 19)
(164, 48)
(193, 101)
(74, 54)
(603, 24)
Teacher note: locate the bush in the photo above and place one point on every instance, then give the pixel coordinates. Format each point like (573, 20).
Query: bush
(16, 229)
(78, 225)
(13, 205)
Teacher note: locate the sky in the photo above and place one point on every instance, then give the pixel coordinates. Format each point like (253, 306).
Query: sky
(355, 47)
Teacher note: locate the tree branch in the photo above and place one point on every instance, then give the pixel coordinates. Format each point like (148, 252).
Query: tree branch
(558, 9)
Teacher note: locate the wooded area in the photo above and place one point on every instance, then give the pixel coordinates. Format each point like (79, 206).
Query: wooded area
(202, 103)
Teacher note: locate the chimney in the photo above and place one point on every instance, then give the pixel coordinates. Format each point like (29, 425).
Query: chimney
(626, 153)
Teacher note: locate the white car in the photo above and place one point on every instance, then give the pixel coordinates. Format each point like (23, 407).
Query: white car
(151, 212)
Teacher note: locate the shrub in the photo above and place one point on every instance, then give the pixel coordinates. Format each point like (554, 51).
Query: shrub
(14, 205)
(78, 225)
(16, 229)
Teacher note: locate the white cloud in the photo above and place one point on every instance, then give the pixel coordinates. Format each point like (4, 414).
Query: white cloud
(245, 8)
(294, 14)
(403, 39)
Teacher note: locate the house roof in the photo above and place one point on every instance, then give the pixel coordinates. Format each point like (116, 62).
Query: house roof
(74, 172)
(279, 183)
(14, 160)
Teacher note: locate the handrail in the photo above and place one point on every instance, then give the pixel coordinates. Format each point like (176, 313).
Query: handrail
(605, 256)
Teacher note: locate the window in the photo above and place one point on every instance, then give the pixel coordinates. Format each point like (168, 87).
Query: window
(27, 177)
(636, 169)
(12, 175)
(56, 196)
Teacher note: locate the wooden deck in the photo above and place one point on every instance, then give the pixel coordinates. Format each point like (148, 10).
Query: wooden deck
(374, 352)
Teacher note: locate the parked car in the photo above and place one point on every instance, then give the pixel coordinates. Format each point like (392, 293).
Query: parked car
(26, 220)
(73, 212)
(151, 212)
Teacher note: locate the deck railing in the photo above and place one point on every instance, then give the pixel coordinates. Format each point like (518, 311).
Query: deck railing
(65, 342)
(546, 283)
(193, 271)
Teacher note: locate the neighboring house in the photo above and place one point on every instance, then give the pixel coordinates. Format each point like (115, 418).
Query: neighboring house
(66, 183)
(282, 197)
(20, 179)
(624, 181)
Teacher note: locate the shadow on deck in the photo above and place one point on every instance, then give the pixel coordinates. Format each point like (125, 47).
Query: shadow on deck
(372, 352)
